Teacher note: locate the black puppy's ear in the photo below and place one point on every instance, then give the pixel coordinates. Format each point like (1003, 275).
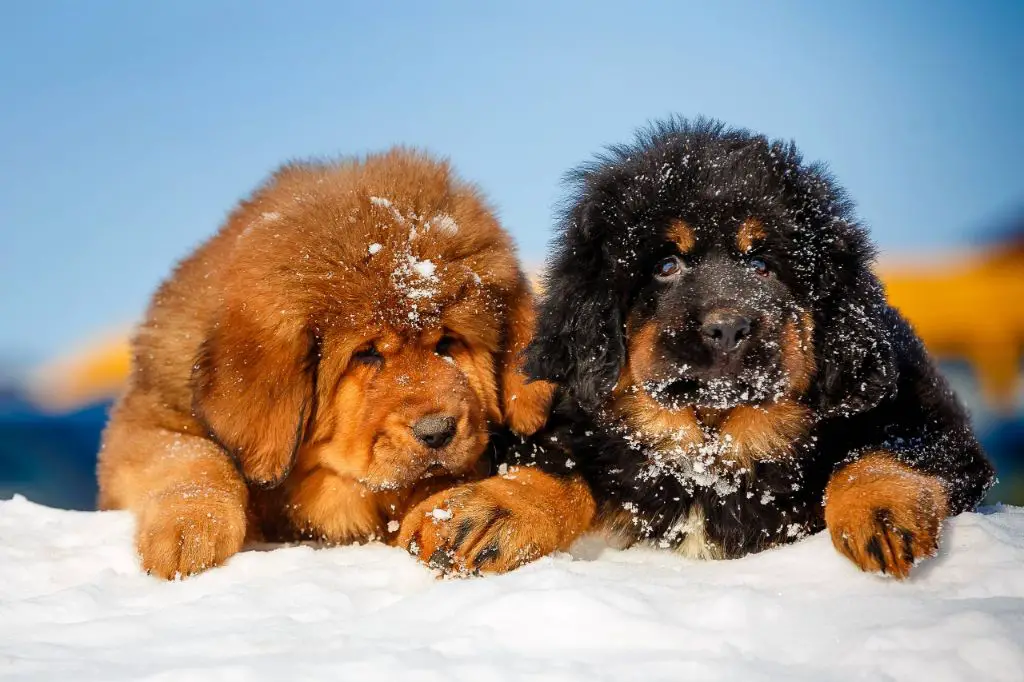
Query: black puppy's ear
(579, 340)
(856, 359)
(254, 389)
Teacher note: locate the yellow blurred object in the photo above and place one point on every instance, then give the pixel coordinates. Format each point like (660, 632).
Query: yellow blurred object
(97, 372)
(971, 307)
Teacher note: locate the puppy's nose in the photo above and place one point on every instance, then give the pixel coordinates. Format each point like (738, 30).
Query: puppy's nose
(435, 431)
(725, 331)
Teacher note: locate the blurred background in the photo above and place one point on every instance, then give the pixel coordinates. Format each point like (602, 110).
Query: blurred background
(128, 130)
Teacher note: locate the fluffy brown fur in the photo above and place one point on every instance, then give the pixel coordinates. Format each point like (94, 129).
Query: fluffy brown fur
(333, 355)
(504, 521)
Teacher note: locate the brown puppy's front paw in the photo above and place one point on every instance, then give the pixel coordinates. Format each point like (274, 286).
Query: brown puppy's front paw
(187, 530)
(498, 524)
(883, 515)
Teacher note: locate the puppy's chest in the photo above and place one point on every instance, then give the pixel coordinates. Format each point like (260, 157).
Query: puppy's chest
(320, 505)
(725, 492)
(721, 451)
(323, 507)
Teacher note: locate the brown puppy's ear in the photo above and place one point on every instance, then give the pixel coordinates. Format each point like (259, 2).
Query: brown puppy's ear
(254, 388)
(524, 403)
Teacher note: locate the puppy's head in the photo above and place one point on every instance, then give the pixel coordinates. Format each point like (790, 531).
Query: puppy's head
(711, 267)
(372, 317)
(716, 324)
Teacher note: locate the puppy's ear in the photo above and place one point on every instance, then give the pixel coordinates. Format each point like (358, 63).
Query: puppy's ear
(524, 404)
(856, 359)
(253, 387)
(579, 340)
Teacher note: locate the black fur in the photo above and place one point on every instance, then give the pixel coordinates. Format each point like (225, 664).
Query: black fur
(874, 387)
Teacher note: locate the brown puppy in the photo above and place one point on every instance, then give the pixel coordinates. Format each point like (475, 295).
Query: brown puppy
(333, 355)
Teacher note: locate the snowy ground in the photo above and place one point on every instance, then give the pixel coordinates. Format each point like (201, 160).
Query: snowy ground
(73, 606)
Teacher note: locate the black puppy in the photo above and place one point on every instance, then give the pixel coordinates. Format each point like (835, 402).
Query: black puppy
(731, 377)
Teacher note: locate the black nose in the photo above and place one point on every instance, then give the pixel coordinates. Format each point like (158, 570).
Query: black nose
(725, 331)
(435, 431)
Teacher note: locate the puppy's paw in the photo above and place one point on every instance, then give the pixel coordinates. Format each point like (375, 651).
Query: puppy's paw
(498, 524)
(186, 530)
(883, 515)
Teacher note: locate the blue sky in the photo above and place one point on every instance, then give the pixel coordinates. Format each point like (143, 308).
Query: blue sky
(128, 129)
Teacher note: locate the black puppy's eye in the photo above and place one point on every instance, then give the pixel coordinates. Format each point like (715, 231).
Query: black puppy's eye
(758, 266)
(668, 268)
(368, 355)
(445, 346)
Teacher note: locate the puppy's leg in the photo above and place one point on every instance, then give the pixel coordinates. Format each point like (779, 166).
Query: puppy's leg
(499, 523)
(884, 515)
(188, 499)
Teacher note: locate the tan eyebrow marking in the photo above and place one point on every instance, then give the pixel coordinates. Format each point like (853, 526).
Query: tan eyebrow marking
(751, 231)
(683, 235)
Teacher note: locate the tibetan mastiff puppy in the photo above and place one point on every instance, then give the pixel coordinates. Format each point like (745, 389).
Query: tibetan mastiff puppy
(338, 351)
(730, 375)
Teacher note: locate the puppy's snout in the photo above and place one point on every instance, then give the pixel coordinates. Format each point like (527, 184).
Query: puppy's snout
(435, 431)
(725, 331)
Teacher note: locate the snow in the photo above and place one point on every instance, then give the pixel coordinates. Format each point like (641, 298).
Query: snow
(423, 268)
(445, 223)
(415, 279)
(440, 514)
(74, 606)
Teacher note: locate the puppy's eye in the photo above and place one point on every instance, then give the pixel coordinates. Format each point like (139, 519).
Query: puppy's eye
(758, 266)
(668, 268)
(368, 355)
(446, 345)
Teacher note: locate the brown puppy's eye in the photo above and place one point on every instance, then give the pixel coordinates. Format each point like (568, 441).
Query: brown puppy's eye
(668, 268)
(368, 355)
(445, 346)
(758, 265)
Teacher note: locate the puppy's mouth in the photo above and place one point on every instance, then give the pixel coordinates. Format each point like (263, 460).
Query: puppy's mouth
(379, 481)
(719, 392)
(435, 470)
(400, 468)
(672, 391)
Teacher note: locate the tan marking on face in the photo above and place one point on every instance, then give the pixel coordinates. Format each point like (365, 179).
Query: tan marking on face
(750, 232)
(798, 353)
(758, 433)
(642, 342)
(683, 235)
(656, 423)
(711, 417)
